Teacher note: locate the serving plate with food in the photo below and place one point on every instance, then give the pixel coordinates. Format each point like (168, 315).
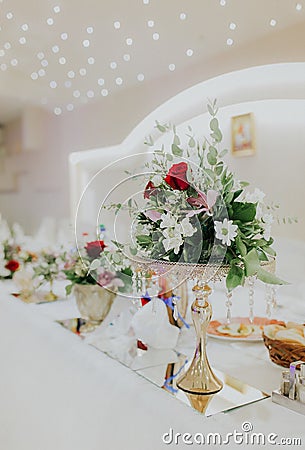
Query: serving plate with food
(240, 328)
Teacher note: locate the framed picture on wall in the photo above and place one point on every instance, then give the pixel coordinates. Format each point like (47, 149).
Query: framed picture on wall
(243, 135)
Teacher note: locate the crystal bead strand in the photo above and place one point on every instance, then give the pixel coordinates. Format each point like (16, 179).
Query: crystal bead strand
(229, 306)
(251, 298)
(137, 288)
(273, 297)
(268, 298)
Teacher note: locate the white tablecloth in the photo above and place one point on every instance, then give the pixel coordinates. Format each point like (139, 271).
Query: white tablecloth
(56, 392)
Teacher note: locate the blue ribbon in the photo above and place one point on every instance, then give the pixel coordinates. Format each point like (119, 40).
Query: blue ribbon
(169, 302)
(171, 378)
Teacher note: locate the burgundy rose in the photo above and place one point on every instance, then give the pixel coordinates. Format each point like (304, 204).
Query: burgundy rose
(149, 190)
(12, 265)
(95, 248)
(176, 177)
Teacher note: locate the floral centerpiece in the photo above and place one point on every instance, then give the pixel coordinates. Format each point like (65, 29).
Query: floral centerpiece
(9, 263)
(93, 265)
(47, 268)
(196, 215)
(197, 211)
(95, 275)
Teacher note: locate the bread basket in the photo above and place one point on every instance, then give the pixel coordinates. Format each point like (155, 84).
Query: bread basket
(283, 352)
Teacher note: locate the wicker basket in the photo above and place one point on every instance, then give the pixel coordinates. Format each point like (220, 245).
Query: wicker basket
(283, 353)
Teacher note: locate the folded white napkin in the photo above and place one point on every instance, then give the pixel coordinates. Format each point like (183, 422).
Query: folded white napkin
(151, 326)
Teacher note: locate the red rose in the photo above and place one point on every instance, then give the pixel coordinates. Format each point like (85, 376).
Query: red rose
(176, 177)
(149, 190)
(12, 265)
(95, 248)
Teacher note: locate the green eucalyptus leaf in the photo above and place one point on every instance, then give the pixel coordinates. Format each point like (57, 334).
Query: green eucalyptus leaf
(214, 125)
(116, 258)
(143, 239)
(241, 246)
(192, 142)
(210, 109)
(213, 151)
(209, 173)
(176, 140)
(251, 261)
(237, 193)
(262, 255)
(269, 278)
(245, 212)
(169, 157)
(229, 197)
(218, 170)
(223, 153)
(133, 250)
(160, 127)
(217, 135)
(211, 159)
(235, 277)
(270, 251)
(68, 289)
(176, 151)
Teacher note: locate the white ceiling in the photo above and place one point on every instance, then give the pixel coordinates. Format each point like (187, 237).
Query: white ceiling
(62, 53)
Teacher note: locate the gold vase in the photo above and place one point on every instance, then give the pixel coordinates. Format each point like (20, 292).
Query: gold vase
(94, 303)
(199, 380)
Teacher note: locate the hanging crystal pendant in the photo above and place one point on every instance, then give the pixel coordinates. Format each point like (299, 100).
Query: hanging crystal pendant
(229, 306)
(251, 298)
(268, 299)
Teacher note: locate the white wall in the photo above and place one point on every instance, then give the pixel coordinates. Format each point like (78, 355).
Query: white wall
(43, 181)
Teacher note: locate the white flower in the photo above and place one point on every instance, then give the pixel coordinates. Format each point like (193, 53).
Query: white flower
(225, 231)
(267, 220)
(157, 180)
(173, 240)
(255, 197)
(186, 227)
(167, 221)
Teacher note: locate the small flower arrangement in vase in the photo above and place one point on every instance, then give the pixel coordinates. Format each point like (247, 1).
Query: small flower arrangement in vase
(94, 281)
(9, 261)
(47, 268)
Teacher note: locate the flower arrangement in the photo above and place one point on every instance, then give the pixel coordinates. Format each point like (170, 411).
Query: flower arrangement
(48, 265)
(9, 262)
(195, 211)
(95, 265)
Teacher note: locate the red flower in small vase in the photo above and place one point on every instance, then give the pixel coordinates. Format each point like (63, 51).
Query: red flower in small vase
(176, 177)
(12, 265)
(149, 190)
(95, 248)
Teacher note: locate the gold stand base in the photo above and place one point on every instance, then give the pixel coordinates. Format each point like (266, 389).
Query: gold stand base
(199, 381)
(200, 402)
